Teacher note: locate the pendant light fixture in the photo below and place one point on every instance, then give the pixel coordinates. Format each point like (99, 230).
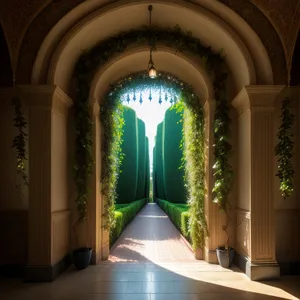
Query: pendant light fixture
(151, 68)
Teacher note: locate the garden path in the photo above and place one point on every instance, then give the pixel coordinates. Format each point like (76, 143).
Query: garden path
(151, 236)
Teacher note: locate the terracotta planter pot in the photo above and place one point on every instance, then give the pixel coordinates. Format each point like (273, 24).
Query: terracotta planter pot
(199, 253)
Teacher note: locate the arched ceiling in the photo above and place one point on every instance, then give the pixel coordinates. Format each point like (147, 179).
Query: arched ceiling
(204, 25)
(25, 24)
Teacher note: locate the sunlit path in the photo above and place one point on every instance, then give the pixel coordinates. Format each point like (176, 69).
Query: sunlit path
(151, 237)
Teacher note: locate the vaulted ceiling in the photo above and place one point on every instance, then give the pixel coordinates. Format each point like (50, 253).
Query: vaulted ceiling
(17, 17)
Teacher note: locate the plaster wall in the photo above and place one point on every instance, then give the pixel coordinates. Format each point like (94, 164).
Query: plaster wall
(13, 201)
(60, 210)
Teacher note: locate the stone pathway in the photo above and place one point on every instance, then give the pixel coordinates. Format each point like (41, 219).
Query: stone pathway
(152, 262)
(151, 236)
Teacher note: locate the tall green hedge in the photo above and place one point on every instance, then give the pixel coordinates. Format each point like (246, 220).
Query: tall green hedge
(175, 190)
(140, 193)
(154, 177)
(159, 162)
(147, 179)
(127, 183)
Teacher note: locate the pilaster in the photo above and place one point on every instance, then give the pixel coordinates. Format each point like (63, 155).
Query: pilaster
(48, 106)
(255, 105)
(95, 199)
(213, 216)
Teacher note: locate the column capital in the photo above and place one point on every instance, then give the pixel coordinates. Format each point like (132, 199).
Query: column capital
(256, 96)
(46, 96)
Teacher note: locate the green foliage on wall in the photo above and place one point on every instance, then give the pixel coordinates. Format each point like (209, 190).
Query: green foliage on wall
(140, 194)
(20, 140)
(193, 161)
(223, 172)
(112, 120)
(175, 189)
(284, 149)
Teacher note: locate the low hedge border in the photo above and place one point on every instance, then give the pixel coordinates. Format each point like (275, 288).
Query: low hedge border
(124, 214)
(179, 215)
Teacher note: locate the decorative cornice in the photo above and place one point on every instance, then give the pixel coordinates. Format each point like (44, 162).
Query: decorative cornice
(46, 96)
(256, 96)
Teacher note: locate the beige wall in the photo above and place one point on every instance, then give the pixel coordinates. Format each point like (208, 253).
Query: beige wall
(61, 213)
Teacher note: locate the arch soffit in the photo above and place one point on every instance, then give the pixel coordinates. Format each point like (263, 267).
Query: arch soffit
(87, 33)
(166, 60)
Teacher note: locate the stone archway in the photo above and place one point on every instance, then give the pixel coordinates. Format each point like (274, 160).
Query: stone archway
(51, 116)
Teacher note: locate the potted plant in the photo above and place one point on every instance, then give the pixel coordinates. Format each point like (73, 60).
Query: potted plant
(81, 255)
(225, 253)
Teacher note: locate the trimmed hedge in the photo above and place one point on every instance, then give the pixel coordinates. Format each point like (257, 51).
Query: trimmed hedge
(175, 190)
(159, 162)
(124, 214)
(154, 177)
(128, 178)
(179, 215)
(140, 193)
(147, 183)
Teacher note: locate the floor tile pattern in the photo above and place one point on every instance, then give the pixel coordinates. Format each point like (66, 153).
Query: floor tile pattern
(144, 272)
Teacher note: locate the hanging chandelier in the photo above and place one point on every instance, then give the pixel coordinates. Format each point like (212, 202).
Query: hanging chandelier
(151, 67)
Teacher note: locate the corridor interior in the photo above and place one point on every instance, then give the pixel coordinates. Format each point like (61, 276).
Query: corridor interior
(152, 261)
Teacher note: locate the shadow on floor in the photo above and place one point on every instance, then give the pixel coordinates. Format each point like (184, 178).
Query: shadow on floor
(145, 280)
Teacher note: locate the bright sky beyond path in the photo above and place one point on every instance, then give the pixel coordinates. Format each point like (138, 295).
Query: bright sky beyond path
(152, 113)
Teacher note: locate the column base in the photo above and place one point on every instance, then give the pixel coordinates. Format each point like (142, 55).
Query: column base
(47, 273)
(258, 271)
(105, 251)
(96, 257)
(210, 256)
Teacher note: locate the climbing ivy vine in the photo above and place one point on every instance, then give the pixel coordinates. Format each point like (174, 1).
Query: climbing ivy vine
(284, 149)
(20, 140)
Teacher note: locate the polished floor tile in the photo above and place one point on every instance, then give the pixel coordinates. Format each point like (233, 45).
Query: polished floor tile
(143, 272)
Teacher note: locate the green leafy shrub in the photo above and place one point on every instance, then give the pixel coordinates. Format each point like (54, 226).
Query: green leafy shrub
(179, 215)
(124, 214)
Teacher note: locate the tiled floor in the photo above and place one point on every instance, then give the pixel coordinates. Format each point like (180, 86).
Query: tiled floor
(137, 270)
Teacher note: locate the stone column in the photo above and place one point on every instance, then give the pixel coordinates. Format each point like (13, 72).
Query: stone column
(256, 239)
(47, 182)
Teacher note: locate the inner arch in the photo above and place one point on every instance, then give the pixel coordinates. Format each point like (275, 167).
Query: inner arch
(100, 25)
(165, 61)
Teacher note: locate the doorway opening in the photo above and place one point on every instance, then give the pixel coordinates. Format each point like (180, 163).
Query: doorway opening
(156, 125)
